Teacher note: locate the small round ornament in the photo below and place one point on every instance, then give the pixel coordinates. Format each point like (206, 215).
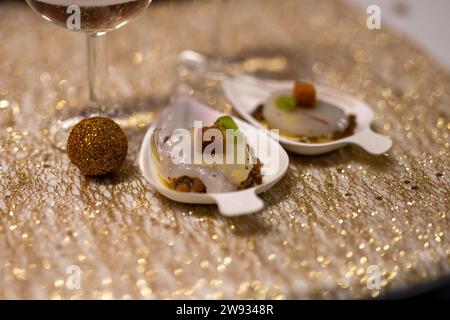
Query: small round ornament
(97, 146)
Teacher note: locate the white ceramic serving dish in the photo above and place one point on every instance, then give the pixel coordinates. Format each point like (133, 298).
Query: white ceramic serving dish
(181, 114)
(245, 94)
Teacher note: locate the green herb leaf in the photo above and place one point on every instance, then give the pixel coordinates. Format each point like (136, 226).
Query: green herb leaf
(286, 103)
(226, 122)
(234, 137)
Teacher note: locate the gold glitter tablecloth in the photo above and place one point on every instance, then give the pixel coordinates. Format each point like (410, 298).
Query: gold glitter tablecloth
(324, 224)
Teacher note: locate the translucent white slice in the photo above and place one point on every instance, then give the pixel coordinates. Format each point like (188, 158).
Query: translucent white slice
(323, 119)
(217, 177)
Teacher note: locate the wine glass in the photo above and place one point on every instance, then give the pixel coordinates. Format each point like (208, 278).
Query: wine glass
(95, 18)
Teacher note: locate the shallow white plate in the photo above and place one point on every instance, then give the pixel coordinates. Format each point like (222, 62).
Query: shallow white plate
(181, 114)
(245, 94)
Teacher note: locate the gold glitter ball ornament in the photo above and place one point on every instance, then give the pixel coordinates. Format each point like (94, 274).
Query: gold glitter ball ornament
(97, 146)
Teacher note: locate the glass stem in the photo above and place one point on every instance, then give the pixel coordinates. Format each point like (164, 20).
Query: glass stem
(97, 66)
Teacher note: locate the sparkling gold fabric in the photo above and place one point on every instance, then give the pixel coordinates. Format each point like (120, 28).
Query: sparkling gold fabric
(324, 224)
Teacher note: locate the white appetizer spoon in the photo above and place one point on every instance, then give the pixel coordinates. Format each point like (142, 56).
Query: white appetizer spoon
(246, 93)
(181, 114)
